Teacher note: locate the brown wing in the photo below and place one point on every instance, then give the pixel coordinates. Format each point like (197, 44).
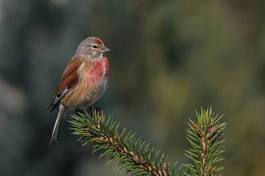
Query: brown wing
(68, 80)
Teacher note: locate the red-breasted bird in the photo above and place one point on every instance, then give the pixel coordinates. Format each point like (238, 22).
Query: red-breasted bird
(83, 81)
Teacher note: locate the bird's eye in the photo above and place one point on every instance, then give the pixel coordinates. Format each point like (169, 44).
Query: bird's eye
(95, 46)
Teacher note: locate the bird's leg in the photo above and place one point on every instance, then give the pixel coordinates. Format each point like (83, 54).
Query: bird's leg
(98, 110)
(79, 110)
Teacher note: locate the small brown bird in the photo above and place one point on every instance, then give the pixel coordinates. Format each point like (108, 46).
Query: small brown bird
(83, 81)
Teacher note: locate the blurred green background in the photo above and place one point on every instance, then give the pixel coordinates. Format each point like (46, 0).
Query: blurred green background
(168, 59)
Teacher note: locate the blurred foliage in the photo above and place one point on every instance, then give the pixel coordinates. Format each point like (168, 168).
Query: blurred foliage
(168, 58)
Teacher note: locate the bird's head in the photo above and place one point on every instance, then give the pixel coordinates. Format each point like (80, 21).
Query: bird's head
(92, 47)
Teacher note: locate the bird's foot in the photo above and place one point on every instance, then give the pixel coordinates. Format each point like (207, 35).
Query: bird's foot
(97, 110)
(79, 110)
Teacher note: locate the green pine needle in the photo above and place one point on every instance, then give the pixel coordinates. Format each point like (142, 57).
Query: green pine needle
(137, 157)
(205, 137)
(131, 153)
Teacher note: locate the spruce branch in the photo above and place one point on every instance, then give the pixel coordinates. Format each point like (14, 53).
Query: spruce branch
(205, 137)
(131, 153)
(137, 157)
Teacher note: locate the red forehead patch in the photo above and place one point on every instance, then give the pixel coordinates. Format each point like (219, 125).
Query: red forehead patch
(99, 41)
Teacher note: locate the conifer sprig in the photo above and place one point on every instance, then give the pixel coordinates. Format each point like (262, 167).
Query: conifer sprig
(137, 157)
(131, 153)
(205, 137)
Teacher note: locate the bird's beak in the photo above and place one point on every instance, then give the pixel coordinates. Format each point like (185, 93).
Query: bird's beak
(105, 49)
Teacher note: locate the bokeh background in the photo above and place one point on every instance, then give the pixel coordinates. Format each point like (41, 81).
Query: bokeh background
(168, 59)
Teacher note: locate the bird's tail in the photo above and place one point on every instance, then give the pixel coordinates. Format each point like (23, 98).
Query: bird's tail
(57, 124)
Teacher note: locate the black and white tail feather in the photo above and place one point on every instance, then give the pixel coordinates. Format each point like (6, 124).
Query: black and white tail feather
(60, 115)
(56, 128)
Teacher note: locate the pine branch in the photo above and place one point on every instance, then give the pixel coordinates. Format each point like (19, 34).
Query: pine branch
(207, 144)
(137, 157)
(133, 155)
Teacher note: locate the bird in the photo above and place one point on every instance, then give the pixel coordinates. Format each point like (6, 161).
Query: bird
(83, 81)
